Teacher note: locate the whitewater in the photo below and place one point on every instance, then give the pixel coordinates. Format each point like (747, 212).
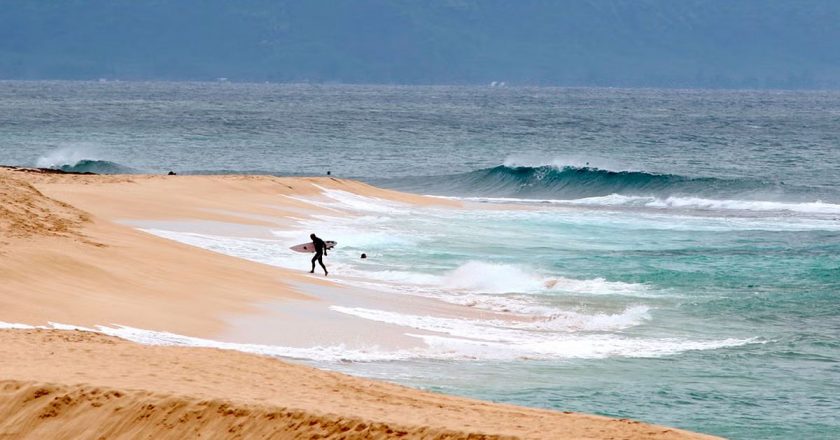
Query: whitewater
(667, 255)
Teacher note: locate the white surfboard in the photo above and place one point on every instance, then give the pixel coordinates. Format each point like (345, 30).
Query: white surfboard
(310, 247)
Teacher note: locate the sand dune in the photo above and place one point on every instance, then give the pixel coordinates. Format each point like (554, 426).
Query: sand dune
(64, 257)
(26, 212)
(65, 264)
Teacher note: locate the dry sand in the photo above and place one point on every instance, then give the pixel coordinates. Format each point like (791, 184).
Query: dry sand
(64, 258)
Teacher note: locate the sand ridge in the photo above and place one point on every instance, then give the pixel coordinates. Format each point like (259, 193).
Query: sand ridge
(26, 212)
(217, 197)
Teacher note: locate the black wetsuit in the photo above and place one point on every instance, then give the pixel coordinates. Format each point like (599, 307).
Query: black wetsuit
(320, 250)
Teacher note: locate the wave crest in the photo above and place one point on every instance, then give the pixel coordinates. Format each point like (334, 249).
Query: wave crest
(568, 182)
(80, 160)
(96, 167)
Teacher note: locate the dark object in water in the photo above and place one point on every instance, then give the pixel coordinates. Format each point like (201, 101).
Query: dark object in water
(329, 172)
(364, 256)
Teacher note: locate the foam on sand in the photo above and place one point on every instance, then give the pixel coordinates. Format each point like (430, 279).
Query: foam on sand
(483, 285)
(448, 339)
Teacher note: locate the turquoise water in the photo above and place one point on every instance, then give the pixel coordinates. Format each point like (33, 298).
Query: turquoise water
(769, 283)
(677, 252)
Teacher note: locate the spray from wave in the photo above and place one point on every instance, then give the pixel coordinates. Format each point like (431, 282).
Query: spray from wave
(80, 160)
(63, 156)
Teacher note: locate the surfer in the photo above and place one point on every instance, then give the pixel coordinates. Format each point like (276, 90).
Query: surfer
(320, 250)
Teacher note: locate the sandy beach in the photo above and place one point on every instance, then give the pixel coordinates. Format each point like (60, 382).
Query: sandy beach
(70, 253)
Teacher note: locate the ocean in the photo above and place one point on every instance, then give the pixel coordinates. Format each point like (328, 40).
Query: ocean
(676, 252)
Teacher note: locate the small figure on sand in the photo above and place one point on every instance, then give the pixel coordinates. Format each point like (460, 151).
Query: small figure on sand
(320, 250)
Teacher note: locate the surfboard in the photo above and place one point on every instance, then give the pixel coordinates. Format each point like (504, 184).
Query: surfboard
(310, 247)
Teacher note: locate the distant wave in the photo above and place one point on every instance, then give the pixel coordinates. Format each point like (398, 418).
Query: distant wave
(96, 166)
(585, 181)
(548, 182)
(81, 159)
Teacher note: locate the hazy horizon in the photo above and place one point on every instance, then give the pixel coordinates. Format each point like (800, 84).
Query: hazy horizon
(228, 81)
(690, 44)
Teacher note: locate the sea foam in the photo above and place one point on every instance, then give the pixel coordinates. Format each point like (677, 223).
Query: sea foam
(504, 340)
(484, 277)
(468, 344)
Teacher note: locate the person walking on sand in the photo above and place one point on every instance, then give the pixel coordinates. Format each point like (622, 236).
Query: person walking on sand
(320, 250)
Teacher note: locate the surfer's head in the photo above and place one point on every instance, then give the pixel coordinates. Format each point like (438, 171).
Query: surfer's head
(312, 236)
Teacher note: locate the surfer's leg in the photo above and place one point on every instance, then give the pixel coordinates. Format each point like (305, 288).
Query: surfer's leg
(320, 261)
(316, 257)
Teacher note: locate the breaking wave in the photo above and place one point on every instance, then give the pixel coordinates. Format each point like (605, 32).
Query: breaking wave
(96, 167)
(79, 160)
(553, 182)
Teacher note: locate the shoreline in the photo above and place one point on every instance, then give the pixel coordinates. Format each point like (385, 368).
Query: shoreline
(78, 263)
(71, 384)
